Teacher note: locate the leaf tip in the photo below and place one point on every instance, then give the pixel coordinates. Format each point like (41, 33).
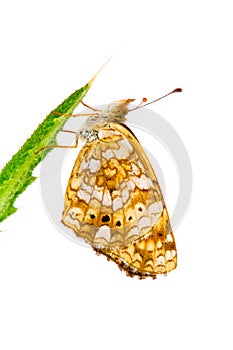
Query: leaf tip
(101, 68)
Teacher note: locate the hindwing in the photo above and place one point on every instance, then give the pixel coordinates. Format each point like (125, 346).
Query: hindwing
(113, 197)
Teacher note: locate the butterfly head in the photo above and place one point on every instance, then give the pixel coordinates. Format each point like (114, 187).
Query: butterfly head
(114, 112)
(119, 109)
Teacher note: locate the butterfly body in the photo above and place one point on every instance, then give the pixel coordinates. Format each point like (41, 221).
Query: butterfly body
(113, 200)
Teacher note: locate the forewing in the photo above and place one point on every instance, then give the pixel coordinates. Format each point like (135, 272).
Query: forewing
(113, 197)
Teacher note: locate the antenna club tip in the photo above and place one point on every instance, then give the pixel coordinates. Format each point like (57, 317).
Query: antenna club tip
(177, 90)
(144, 99)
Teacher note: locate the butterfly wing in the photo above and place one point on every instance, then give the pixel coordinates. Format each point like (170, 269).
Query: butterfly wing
(113, 197)
(151, 255)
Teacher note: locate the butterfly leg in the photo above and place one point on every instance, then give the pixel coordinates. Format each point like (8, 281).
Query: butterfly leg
(75, 115)
(70, 131)
(58, 146)
(93, 109)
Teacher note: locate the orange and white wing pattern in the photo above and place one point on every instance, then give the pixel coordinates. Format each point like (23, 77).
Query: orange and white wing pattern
(113, 201)
(152, 255)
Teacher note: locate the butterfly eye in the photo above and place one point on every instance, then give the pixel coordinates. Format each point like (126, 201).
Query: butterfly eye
(118, 109)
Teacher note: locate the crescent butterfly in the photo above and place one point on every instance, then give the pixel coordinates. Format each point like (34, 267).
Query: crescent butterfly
(113, 199)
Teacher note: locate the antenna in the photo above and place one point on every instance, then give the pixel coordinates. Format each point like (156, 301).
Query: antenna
(158, 99)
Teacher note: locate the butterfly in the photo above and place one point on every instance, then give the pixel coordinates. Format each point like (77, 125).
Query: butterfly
(113, 200)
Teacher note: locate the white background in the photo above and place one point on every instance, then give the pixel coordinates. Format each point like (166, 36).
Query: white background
(55, 294)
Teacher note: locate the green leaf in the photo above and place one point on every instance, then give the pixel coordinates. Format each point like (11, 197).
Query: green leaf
(16, 176)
